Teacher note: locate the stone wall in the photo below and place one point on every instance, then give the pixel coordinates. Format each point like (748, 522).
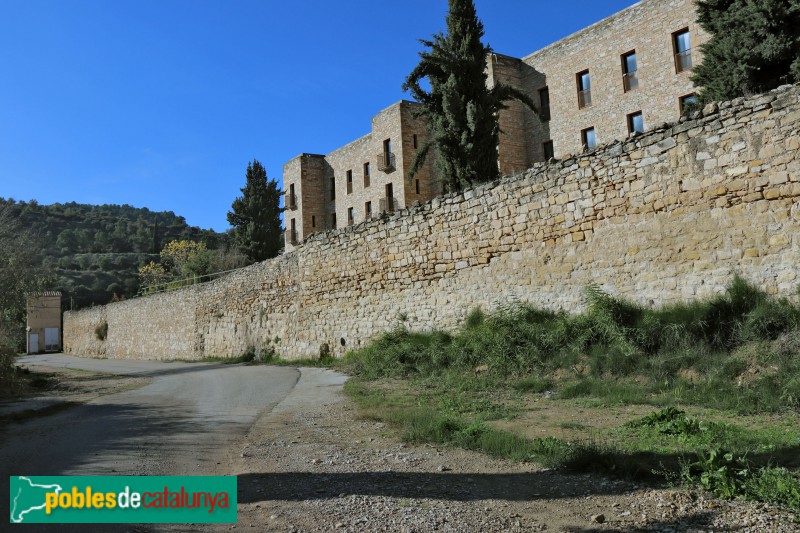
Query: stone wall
(663, 217)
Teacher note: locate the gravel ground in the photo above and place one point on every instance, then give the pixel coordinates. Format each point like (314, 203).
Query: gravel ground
(311, 464)
(318, 467)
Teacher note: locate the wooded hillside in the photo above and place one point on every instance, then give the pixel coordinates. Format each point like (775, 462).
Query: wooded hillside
(94, 251)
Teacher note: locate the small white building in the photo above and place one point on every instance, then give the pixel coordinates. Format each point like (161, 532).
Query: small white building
(44, 322)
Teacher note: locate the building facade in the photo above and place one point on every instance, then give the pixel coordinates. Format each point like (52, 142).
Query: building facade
(360, 180)
(625, 74)
(44, 322)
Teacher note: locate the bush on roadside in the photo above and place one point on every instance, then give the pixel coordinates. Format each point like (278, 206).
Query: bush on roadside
(9, 375)
(698, 352)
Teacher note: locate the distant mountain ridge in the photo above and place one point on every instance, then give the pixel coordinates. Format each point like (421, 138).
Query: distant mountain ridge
(94, 251)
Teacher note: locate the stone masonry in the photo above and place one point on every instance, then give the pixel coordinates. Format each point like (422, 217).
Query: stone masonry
(317, 186)
(668, 216)
(646, 29)
(323, 190)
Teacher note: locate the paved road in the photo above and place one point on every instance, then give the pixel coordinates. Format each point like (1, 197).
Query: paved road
(185, 421)
(181, 423)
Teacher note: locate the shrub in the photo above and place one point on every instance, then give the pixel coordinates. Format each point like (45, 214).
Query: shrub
(9, 376)
(101, 331)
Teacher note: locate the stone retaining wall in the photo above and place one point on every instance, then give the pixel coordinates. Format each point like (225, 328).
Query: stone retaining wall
(663, 217)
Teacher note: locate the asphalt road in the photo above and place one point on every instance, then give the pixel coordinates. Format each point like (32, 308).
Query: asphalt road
(181, 423)
(184, 422)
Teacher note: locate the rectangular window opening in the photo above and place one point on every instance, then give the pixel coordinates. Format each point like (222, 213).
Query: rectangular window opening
(387, 203)
(386, 158)
(366, 175)
(333, 220)
(682, 46)
(349, 182)
(350, 216)
(416, 185)
(687, 103)
(547, 148)
(630, 68)
(313, 221)
(368, 211)
(544, 104)
(584, 89)
(414, 140)
(333, 188)
(588, 138)
(635, 122)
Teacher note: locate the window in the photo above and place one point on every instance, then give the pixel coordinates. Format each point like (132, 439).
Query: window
(333, 220)
(386, 158)
(630, 78)
(350, 216)
(291, 202)
(349, 182)
(313, 221)
(416, 186)
(687, 103)
(635, 122)
(683, 50)
(414, 140)
(368, 211)
(544, 104)
(584, 89)
(547, 148)
(366, 175)
(333, 188)
(588, 138)
(293, 233)
(387, 203)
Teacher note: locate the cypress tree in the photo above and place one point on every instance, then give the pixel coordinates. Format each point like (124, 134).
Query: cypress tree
(754, 47)
(461, 112)
(255, 216)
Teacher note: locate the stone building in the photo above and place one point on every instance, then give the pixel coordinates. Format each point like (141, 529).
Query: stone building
(44, 322)
(360, 180)
(627, 73)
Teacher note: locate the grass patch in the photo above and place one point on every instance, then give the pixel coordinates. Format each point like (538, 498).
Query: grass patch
(737, 353)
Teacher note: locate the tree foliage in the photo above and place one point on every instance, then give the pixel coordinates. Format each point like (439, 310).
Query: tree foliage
(255, 216)
(185, 262)
(21, 272)
(95, 251)
(460, 110)
(185, 258)
(754, 47)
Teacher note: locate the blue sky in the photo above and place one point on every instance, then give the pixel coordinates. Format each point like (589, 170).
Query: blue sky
(162, 103)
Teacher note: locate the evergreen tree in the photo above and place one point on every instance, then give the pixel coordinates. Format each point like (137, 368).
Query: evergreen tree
(460, 110)
(754, 46)
(255, 216)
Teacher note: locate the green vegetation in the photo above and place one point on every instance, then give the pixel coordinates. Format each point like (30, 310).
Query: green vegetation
(94, 252)
(460, 110)
(101, 331)
(185, 263)
(754, 47)
(20, 272)
(735, 351)
(256, 216)
(733, 360)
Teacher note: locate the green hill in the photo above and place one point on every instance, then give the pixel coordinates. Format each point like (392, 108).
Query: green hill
(94, 251)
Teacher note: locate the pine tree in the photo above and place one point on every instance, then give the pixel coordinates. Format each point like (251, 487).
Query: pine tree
(461, 112)
(754, 47)
(255, 216)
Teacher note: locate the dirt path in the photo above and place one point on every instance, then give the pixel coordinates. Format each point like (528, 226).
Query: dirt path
(311, 464)
(317, 467)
